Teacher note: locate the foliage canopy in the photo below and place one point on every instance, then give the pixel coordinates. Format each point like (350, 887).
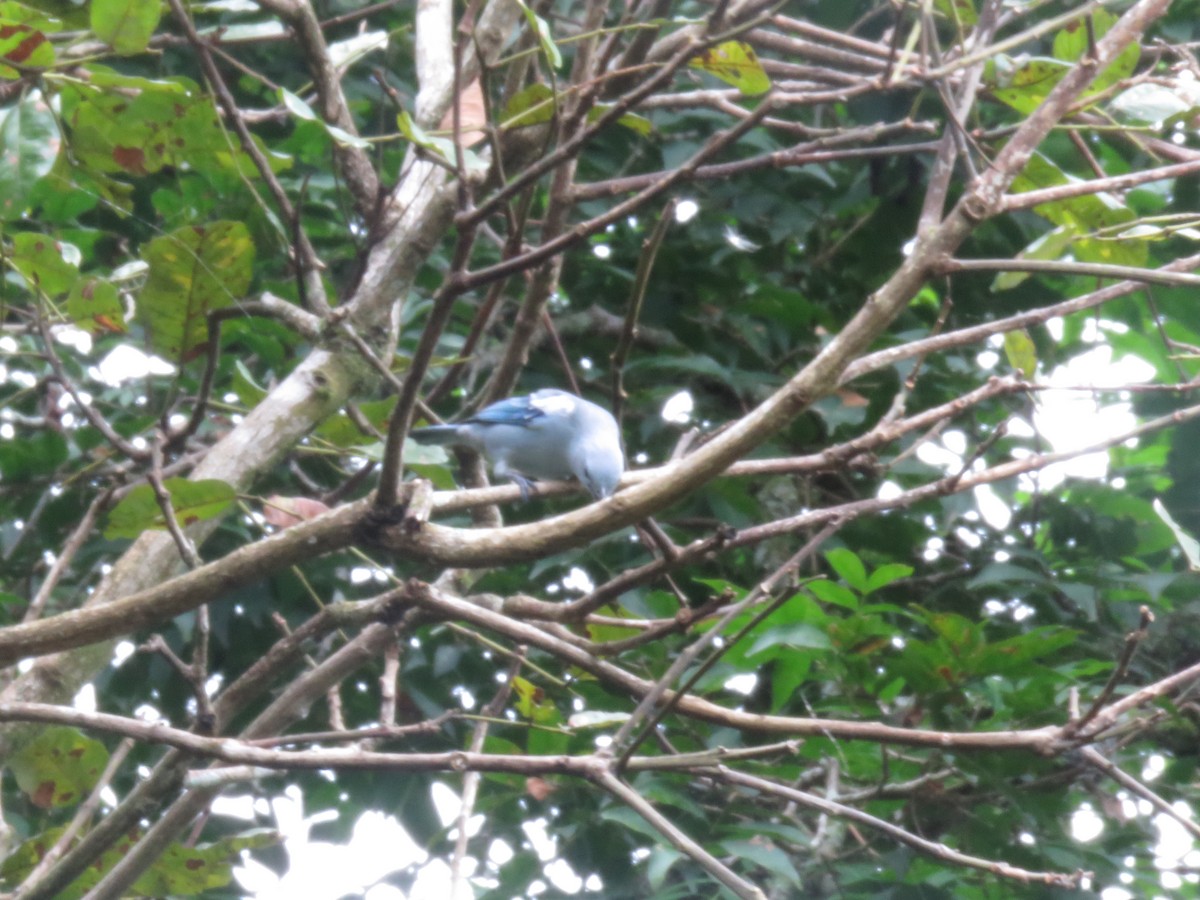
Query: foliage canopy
(894, 302)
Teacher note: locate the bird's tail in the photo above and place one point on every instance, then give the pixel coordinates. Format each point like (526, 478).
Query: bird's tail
(434, 434)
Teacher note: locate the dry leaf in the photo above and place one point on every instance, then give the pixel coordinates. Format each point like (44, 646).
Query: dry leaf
(472, 116)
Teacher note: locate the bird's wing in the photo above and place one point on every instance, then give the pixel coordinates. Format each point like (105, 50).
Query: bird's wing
(535, 411)
(513, 411)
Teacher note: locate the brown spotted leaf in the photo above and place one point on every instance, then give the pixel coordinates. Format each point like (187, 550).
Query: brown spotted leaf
(59, 768)
(193, 271)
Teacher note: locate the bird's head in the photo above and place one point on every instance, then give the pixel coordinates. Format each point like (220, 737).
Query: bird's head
(602, 471)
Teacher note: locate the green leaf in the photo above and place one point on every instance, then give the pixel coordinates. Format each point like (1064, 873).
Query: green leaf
(532, 702)
(192, 501)
(1083, 223)
(632, 121)
(545, 38)
(297, 107)
(180, 872)
(834, 593)
(138, 126)
(658, 865)
(766, 855)
(628, 819)
(735, 63)
(1148, 103)
(189, 871)
(193, 271)
(603, 632)
(31, 455)
(125, 25)
(849, 567)
(341, 430)
(39, 259)
(439, 146)
(24, 46)
(885, 575)
(1188, 544)
(248, 391)
(1073, 42)
(1021, 352)
(12, 11)
(95, 306)
(30, 139)
(961, 12)
(789, 672)
(1026, 86)
(533, 105)
(1051, 245)
(796, 636)
(132, 85)
(59, 767)
(302, 110)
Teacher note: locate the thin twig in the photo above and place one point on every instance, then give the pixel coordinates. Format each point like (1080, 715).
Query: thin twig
(470, 787)
(623, 741)
(187, 549)
(677, 838)
(931, 848)
(79, 536)
(637, 296)
(1055, 267)
(1094, 758)
(1132, 641)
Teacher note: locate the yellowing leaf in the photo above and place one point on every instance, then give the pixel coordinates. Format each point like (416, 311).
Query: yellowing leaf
(1021, 352)
(736, 63)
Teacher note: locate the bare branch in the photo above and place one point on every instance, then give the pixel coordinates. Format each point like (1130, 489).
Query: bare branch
(677, 838)
(1055, 267)
(938, 851)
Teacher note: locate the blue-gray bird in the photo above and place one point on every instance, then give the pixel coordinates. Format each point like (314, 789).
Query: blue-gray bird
(548, 435)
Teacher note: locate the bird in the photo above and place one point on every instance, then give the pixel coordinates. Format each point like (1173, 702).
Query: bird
(549, 434)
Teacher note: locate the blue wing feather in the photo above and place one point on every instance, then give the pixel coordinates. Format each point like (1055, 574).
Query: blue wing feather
(513, 411)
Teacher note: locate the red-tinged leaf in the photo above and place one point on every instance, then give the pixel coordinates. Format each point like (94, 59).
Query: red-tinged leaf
(131, 159)
(539, 788)
(284, 512)
(472, 116)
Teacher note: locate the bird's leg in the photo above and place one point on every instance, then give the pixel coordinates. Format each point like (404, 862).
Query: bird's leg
(522, 482)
